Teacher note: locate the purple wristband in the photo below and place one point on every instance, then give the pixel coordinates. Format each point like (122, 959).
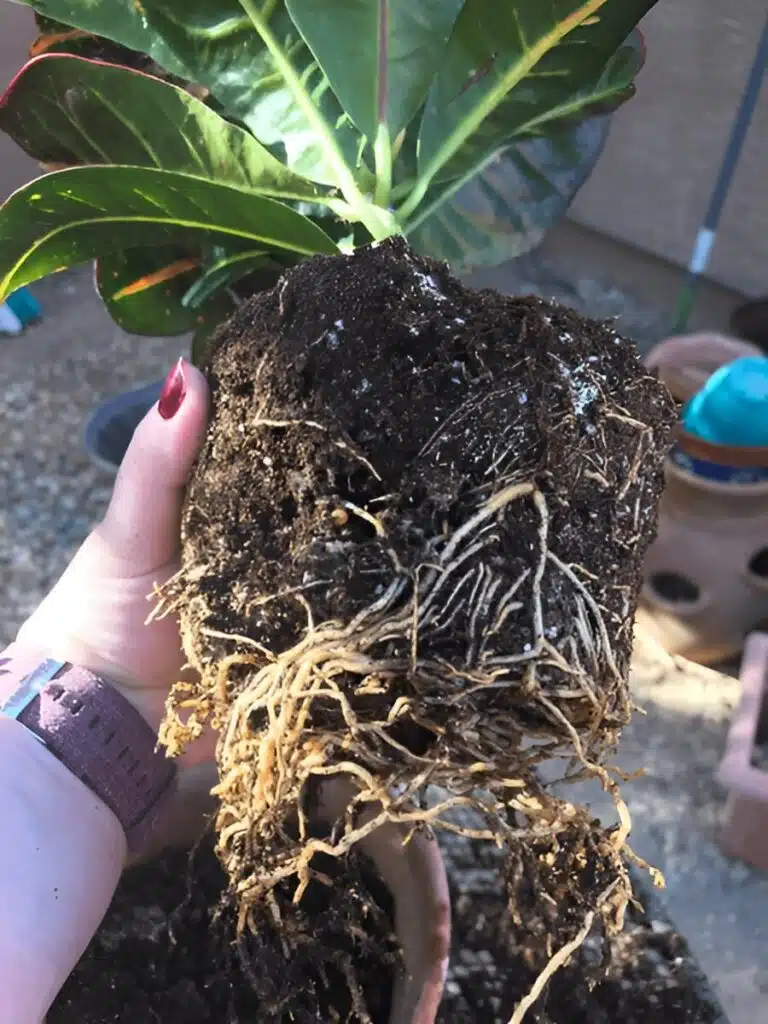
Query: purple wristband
(96, 733)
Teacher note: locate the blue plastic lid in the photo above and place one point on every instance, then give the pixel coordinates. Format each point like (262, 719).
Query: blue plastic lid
(732, 407)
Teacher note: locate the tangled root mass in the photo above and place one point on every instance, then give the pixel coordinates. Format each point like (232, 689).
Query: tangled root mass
(412, 552)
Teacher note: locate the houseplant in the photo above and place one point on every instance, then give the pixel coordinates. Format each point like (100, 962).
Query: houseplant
(396, 573)
(493, 203)
(503, 210)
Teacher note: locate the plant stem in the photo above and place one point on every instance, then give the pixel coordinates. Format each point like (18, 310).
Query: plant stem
(382, 154)
(379, 223)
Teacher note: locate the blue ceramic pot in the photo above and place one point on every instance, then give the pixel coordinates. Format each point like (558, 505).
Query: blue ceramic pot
(110, 426)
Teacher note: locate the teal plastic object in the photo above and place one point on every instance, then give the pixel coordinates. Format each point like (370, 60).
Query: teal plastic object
(25, 306)
(732, 407)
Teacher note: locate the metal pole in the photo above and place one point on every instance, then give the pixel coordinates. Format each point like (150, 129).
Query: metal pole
(705, 239)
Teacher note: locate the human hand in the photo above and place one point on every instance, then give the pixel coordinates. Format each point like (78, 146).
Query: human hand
(96, 614)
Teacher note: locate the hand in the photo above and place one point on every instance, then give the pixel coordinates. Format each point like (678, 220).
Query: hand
(96, 614)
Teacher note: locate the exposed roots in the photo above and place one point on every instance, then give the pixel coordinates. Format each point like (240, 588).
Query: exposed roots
(412, 551)
(558, 960)
(559, 888)
(290, 719)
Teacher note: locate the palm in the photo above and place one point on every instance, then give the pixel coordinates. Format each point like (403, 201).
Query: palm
(96, 615)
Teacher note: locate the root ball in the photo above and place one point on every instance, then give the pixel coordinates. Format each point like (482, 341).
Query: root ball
(412, 552)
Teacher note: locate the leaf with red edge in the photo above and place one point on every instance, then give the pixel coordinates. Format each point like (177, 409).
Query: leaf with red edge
(83, 213)
(57, 41)
(68, 110)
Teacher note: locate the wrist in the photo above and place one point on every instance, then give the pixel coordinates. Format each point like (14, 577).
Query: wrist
(62, 853)
(149, 703)
(96, 732)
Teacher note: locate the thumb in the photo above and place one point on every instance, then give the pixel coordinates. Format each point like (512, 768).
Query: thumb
(142, 523)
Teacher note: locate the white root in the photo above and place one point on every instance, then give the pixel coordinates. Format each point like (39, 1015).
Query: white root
(329, 653)
(368, 794)
(557, 961)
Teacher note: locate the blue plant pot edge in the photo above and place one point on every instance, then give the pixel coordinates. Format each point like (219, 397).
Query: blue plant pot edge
(109, 427)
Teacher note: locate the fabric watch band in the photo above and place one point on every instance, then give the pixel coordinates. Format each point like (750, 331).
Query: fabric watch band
(95, 732)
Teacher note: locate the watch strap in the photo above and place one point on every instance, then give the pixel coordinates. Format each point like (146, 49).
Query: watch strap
(95, 732)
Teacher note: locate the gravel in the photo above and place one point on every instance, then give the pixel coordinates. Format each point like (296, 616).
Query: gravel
(50, 378)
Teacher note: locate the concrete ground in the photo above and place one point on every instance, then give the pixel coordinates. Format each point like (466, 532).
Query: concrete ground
(676, 808)
(50, 495)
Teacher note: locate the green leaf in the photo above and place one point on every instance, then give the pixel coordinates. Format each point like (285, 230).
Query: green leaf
(507, 208)
(55, 37)
(213, 43)
(518, 70)
(226, 271)
(143, 290)
(123, 21)
(79, 214)
(68, 110)
(218, 42)
(380, 56)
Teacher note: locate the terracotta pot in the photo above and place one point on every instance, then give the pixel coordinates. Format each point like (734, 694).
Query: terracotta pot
(745, 828)
(706, 574)
(413, 871)
(685, 362)
(720, 463)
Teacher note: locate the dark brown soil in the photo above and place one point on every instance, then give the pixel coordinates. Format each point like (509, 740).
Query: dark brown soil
(166, 953)
(162, 957)
(645, 975)
(439, 392)
(412, 545)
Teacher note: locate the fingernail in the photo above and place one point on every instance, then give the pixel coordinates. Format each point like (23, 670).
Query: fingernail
(174, 390)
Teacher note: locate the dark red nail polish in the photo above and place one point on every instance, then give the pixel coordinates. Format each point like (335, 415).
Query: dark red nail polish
(174, 390)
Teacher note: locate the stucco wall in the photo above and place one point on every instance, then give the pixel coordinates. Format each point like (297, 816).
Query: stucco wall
(652, 185)
(17, 30)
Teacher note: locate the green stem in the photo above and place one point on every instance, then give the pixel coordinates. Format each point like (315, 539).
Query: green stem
(402, 190)
(379, 223)
(382, 154)
(450, 190)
